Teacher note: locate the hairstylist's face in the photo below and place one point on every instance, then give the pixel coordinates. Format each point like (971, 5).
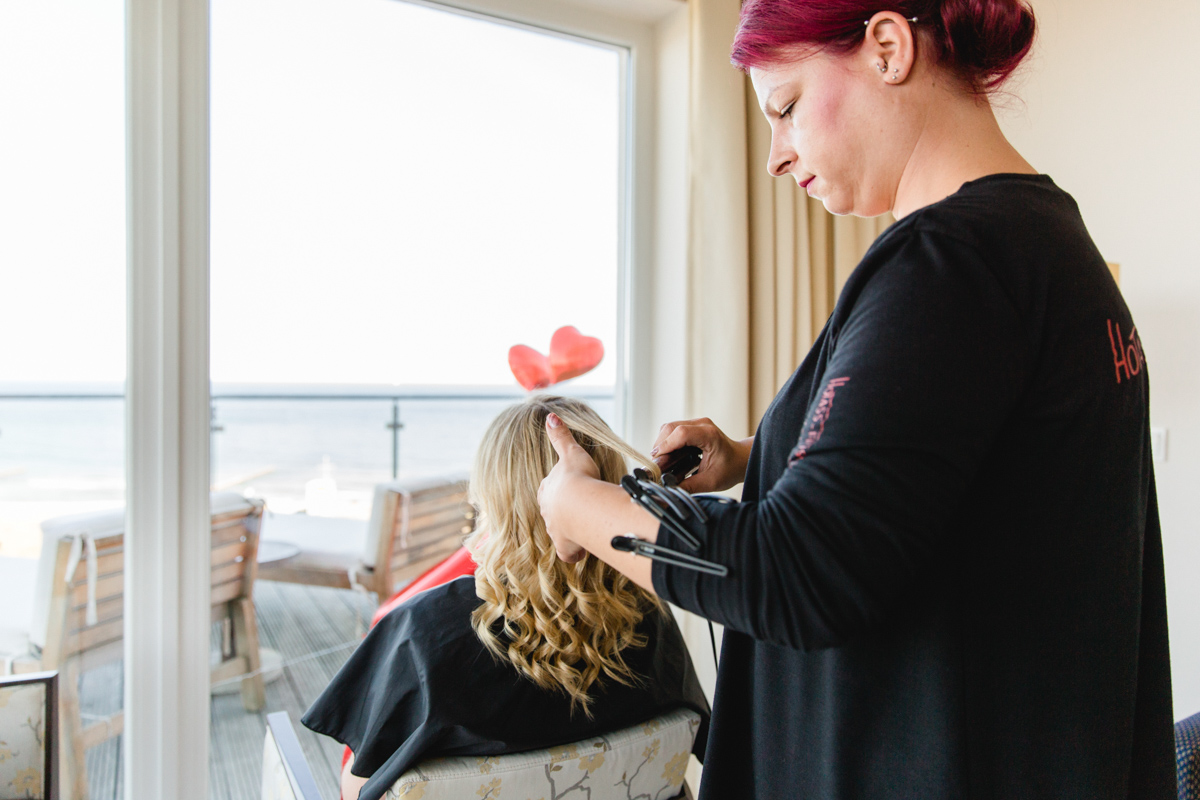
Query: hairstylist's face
(840, 126)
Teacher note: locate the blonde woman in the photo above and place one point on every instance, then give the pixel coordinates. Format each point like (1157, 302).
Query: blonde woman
(529, 653)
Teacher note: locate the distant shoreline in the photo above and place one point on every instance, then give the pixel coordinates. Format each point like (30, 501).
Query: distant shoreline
(11, 389)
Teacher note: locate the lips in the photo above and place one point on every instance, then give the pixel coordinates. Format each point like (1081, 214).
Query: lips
(805, 184)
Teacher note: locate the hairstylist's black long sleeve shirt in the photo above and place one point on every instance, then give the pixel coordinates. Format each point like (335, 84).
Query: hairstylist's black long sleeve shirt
(947, 576)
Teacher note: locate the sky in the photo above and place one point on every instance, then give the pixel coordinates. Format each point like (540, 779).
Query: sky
(399, 194)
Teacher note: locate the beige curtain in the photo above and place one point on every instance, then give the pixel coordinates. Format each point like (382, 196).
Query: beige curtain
(766, 263)
(718, 231)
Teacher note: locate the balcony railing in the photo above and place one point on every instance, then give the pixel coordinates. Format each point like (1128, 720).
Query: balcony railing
(394, 423)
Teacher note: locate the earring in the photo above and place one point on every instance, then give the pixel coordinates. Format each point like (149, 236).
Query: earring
(882, 67)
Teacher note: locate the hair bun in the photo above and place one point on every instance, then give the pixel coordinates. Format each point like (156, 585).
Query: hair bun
(984, 41)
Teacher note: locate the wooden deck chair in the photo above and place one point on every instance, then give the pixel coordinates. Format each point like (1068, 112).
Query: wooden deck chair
(80, 623)
(414, 525)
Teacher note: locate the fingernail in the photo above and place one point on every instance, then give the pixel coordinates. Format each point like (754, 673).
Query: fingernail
(654, 452)
(552, 420)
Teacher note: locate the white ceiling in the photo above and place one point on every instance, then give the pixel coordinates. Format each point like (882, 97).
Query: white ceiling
(641, 10)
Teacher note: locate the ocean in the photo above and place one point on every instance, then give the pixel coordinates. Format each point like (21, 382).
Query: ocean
(276, 442)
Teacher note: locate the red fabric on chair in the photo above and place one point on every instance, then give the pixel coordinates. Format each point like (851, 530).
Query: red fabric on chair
(454, 566)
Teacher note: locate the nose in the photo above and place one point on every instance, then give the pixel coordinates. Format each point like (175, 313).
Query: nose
(782, 157)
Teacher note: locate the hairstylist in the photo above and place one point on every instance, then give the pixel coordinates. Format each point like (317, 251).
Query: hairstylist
(946, 569)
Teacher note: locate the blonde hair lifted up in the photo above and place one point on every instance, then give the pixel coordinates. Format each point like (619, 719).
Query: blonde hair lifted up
(561, 625)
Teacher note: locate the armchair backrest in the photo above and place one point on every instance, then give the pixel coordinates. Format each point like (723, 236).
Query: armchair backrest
(649, 759)
(285, 772)
(645, 760)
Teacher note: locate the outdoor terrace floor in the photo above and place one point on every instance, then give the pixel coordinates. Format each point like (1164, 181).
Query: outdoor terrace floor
(314, 629)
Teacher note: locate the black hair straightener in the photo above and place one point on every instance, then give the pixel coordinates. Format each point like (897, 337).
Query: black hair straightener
(676, 510)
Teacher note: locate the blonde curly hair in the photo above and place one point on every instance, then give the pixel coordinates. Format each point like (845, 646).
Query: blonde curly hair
(561, 625)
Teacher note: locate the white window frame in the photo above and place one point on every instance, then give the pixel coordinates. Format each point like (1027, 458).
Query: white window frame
(167, 701)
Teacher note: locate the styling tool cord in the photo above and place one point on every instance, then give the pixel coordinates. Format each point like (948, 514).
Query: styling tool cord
(712, 637)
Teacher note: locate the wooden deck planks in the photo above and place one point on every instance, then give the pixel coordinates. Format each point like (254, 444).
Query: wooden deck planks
(101, 693)
(314, 629)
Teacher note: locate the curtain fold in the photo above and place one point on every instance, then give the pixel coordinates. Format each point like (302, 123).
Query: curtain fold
(718, 223)
(765, 261)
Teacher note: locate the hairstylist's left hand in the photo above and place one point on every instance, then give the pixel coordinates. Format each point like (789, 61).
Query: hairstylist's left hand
(574, 465)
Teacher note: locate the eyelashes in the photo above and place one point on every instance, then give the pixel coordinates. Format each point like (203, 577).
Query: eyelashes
(787, 112)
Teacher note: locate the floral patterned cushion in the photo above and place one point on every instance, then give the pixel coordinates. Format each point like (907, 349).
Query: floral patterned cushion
(647, 760)
(22, 741)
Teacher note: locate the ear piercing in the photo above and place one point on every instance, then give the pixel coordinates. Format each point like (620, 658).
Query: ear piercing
(910, 19)
(882, 67)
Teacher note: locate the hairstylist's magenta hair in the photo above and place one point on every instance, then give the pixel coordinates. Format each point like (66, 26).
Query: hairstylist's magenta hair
(980, 41)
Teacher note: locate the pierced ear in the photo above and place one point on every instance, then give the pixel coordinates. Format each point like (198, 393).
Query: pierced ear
(889, 45)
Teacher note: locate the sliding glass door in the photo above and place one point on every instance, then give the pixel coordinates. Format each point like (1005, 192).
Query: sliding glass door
(400, 195)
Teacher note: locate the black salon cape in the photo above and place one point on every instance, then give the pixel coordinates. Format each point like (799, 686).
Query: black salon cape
(947, 574)
(422, 685)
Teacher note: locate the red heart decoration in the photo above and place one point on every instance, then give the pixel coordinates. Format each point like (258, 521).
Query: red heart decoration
(531, 368)
(572, 354)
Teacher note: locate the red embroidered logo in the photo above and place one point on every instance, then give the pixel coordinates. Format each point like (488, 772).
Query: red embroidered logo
(816, 426)
(1126, 356)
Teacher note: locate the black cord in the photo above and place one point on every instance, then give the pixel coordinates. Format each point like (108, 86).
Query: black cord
(712, 636)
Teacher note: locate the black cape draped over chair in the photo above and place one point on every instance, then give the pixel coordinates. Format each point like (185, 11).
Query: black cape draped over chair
(421, 685)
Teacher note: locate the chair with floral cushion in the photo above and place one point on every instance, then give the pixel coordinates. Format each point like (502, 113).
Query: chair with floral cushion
(29, 736)
(644, 760)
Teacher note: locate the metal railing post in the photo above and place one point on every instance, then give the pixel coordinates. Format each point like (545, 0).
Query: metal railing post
(213, 430)
(395, 425)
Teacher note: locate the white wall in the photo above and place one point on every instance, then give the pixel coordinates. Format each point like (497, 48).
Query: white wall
(665, 307)
(1111, 110)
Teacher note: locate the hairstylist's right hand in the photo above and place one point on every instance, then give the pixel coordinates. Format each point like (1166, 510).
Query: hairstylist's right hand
(556, 490)
(725, 459)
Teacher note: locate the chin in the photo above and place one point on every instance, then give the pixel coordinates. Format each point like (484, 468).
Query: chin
(837, 207)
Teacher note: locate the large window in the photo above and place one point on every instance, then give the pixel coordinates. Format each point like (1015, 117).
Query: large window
(399, 194)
